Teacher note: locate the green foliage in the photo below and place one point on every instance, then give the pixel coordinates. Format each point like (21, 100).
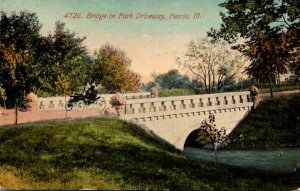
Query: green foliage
(63, 84)
(68, 57)
(209, 134)
(112, 154)
(111, 69)
(19, 34)
(214, 64)
(174, 80)
(2, 96)
(147, 86)
(241, 86)
(283, 87)
(31, 62)
(274, 124)
(176, 92)
(270, 31)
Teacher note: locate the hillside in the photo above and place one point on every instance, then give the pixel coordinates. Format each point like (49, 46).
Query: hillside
(113, 154)
(274, 124)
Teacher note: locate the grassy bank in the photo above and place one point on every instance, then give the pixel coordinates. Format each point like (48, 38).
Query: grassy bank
(283, 87)
(176, 92)
(262, 89)
(274, 124)
(112, 154)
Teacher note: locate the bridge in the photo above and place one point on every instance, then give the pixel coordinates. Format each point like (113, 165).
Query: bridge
(175, 118)
(171, 118)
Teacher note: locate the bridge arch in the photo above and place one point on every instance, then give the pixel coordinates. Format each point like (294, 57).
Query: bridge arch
(191, 139)
(181, 140)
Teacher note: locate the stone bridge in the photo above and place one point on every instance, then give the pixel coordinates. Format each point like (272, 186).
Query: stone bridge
(58, 103)
(175, 118)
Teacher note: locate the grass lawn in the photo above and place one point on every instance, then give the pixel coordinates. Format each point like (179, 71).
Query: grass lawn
(274, 124)
(262, 89)
(113, 154)
(176, 92)
(282, 87)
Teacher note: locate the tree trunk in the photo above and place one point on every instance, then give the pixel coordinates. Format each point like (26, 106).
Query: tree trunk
(215, 152)
(209, 80)
(4, 105)
(278, 80)
(65, 106)
(206, 88)
(16, 111)
(271, 89)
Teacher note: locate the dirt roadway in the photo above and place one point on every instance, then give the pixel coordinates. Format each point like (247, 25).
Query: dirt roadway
(7, 116)
(284, 93)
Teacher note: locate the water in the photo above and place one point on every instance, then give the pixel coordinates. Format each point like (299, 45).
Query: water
(277, 160)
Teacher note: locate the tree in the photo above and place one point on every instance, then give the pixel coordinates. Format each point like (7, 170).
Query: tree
(18, 36)
(212, 63)
(111, 69)
(148, 85)
(13, 60)
(270, 32)
(63, 84)
(173, 80)
(31, 62)
(3, 96)
(66, 55)
(209, 134)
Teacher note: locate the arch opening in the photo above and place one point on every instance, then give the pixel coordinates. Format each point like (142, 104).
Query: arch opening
(191, 140)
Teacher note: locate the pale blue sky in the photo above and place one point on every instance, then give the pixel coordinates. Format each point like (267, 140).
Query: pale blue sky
(152, 45)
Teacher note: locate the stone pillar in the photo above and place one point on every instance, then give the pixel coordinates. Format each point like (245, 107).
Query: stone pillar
(254, 93)
(31, 102)
(118, 105)
(154, 92)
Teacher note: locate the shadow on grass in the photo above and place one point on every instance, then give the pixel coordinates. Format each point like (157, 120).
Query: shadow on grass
(123, 153)
(273, 124)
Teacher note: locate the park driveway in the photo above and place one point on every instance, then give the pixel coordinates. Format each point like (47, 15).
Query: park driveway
(7, 116)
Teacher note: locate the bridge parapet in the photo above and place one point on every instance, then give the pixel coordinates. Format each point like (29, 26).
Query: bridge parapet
(59, 101)
(170, 105)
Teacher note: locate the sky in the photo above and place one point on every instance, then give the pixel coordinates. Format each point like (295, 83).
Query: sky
(152, 44)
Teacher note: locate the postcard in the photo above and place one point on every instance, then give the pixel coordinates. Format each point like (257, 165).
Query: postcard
(146, 94)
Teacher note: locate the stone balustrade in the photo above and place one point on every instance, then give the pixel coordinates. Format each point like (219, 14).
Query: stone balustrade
(173, 105)
(137, 95)
(59, 102)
